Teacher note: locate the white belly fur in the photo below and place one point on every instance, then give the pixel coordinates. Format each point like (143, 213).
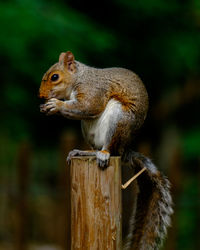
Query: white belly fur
(96, 131)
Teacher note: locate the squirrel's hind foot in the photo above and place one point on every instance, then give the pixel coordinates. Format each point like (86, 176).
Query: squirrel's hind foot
(102, 156)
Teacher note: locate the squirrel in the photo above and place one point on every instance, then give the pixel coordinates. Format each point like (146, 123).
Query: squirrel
(112, 105)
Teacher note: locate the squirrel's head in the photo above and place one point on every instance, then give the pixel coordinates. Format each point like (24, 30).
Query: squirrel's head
(58, 80)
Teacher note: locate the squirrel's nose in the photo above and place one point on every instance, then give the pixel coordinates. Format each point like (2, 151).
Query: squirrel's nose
(42, 94)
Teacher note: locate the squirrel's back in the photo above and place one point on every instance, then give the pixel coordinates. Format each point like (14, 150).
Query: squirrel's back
(120, 84)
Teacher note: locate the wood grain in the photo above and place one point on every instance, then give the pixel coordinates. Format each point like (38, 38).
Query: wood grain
(95, 204)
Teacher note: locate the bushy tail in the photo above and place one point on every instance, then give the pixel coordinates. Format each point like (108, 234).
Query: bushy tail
(148, 226)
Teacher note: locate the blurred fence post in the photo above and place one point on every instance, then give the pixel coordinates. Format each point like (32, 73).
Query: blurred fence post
(23, 166)
(69, 141)
(175, 176)
(95, 204)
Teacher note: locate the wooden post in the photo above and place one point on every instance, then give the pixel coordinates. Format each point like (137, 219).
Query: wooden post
(95, 204)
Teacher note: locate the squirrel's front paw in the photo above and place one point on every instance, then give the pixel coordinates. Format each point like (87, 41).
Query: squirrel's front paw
(51, 107)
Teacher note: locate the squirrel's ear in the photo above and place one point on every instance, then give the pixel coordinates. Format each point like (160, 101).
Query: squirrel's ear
(68, 60)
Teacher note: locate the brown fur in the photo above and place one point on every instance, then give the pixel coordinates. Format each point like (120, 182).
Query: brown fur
(126, 102)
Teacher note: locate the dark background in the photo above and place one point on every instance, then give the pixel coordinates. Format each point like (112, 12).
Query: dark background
(160, 41)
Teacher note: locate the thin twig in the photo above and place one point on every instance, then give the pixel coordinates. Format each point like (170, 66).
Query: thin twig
(133, 178)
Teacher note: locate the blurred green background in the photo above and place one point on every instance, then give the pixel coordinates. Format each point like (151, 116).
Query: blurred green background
(157, 39)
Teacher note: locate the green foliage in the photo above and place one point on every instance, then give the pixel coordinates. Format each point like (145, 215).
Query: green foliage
(152, 8)
(191, 144)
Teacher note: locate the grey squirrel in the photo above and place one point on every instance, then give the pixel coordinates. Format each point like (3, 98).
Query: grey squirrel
(112, 104)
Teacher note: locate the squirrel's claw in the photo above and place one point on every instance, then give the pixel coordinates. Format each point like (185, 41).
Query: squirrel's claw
(51, 107)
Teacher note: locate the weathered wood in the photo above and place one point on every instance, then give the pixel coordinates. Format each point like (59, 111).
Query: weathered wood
(95, 204)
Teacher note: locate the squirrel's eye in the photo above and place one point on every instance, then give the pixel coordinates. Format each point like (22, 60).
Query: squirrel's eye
(54, 77)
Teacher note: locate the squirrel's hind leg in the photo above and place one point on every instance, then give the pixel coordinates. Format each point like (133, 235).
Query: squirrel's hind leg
(102, 156)
(77, 152)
